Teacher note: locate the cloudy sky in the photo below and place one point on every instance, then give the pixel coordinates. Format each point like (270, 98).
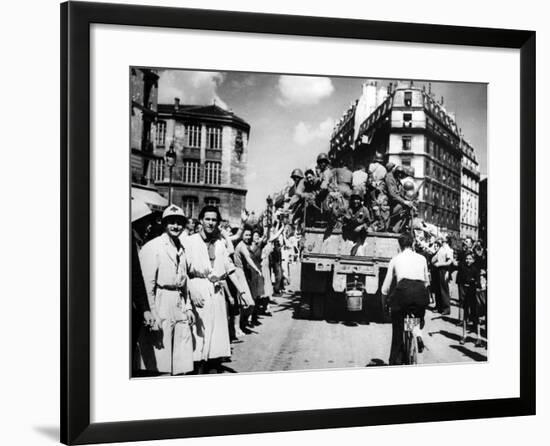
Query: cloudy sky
(292, 117)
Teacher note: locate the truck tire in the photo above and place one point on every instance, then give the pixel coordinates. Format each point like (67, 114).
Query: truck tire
(317, 305)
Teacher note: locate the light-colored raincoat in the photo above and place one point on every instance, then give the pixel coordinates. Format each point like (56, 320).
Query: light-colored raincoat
(170, 348)
(211, 331)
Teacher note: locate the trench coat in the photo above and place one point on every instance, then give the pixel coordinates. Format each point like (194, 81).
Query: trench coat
(170, 348)
(211, 330)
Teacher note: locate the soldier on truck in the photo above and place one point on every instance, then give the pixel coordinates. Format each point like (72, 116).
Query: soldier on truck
(400, 207)
(356, 222)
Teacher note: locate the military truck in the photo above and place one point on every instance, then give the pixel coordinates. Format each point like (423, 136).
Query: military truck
(338, 285)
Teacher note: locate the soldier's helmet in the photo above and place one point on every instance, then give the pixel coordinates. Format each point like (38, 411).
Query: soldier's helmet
(297, 173)
(173, 211)
(399, 170)
(408, 185)
(378, 157)
(322, 157)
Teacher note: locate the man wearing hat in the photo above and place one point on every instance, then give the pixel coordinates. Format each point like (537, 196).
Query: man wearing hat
(399, 206)
(163, 264)
(323, 171)
(356, 221)
(377, 192)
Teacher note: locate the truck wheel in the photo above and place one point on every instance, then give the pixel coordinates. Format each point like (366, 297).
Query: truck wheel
(317, 306)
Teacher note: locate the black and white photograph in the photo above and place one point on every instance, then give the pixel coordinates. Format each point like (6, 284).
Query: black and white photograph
(287, 222)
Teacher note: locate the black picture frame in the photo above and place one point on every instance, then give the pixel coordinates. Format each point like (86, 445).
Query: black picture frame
(76, 19)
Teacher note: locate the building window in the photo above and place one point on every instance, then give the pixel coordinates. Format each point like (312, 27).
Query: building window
(160, 136)
(408, 98)
(406, 162)
(212, 172)
(190, 172)
(239, 146)
(157, 170)
(213, 137)
(407, 119)
(406, 142)
(190, 206)
(193, 135)
(212, 201)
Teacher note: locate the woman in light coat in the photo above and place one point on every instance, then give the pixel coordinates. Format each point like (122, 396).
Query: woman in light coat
(163, 264)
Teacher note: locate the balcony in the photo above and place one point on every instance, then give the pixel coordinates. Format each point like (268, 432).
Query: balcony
(415, 123)
(214, 154)
(191, 152)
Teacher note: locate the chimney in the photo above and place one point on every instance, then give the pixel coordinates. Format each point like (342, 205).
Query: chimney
(176, 103)
(442, 100)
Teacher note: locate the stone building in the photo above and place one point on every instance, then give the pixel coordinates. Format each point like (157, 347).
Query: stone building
(482, 231)
(411, 128)
(143, 156)
(469, 193)
(211, 146)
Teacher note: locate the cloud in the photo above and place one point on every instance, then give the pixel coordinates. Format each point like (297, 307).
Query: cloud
(304, 90)
(304, 133)
(192, 87)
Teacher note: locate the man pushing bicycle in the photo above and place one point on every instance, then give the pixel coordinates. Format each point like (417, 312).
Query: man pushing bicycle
(409, 296)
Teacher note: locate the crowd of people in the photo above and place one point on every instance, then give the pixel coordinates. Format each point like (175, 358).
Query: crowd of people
(198, 285)
(381, 197)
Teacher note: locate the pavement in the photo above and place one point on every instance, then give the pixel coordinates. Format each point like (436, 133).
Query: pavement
(290, 340)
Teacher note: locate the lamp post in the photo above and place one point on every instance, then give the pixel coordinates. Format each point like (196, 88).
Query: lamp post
(170, 159)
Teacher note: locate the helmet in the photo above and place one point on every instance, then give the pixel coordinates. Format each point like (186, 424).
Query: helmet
(297, 173)
(322, 157)
(379, 157)
(173, 211)
(408, 185)
(399, 170)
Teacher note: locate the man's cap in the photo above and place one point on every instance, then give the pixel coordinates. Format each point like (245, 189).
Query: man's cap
(322, 157)
(390, 166)
(173, 211)
(355, 195)
(297, 173)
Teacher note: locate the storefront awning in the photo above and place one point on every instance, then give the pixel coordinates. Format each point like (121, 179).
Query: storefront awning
(153, 199)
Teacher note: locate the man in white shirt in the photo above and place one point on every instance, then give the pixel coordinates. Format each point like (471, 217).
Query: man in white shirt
(441, 262)
(410, 294)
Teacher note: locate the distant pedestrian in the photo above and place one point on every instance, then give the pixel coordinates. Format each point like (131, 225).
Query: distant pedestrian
(441, 262)
(469, 279)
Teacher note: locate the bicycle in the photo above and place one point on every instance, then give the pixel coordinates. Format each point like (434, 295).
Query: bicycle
(409, 339)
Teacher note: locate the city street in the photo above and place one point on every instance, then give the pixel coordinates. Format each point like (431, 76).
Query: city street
(288, 340)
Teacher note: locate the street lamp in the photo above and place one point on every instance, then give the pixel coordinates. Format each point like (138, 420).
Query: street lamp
(170, 159)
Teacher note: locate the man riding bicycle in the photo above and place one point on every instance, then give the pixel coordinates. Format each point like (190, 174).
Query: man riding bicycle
(409, 296)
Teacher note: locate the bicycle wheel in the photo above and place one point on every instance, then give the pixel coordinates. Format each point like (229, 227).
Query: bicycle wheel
(413, 351)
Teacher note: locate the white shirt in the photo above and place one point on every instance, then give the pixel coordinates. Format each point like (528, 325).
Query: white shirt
(444, 255)
(359, 178)
(406, 265)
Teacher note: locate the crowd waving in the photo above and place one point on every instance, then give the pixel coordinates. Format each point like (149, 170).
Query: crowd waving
(198, 285)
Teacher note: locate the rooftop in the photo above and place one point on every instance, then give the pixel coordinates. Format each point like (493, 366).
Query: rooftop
(213, 112)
